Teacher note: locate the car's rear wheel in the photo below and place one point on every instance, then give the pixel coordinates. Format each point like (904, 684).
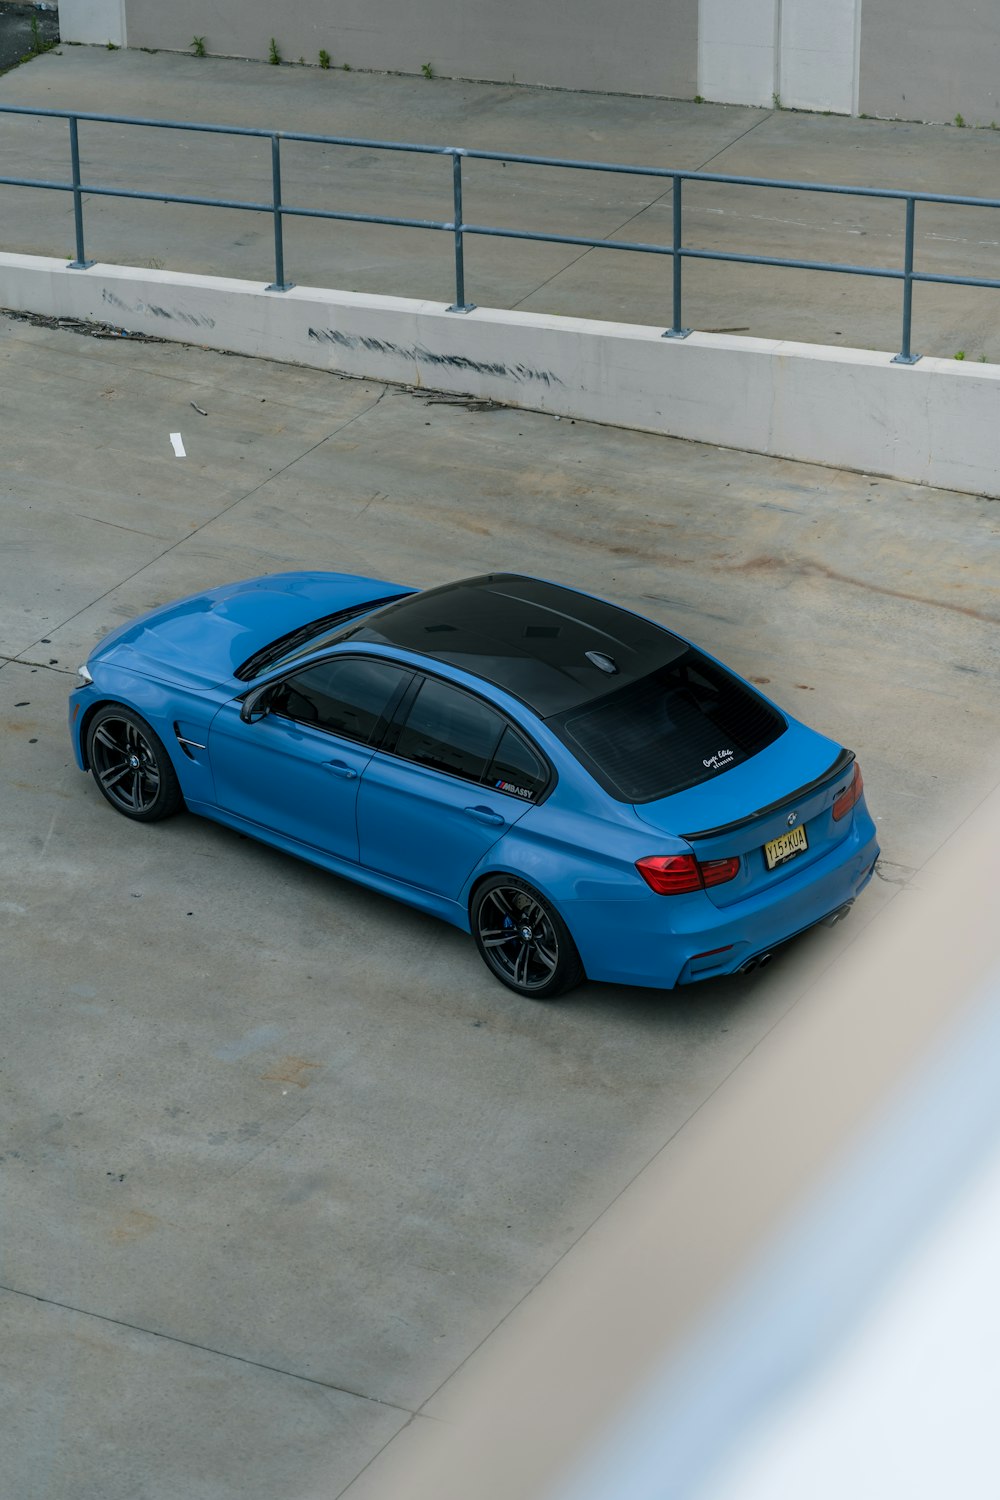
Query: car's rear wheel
(523, 940)
(131, 767)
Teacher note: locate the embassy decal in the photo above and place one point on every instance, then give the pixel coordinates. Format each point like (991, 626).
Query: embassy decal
(518, 791)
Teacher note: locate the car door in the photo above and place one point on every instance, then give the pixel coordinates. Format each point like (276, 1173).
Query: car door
(426, 814)
(296, 770)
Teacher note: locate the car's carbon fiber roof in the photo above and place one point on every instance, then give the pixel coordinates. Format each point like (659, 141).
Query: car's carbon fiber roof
(528, 637)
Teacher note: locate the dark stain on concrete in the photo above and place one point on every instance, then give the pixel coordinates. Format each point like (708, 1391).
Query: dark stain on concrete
(418, 354)
(808, 567)
(170, 315)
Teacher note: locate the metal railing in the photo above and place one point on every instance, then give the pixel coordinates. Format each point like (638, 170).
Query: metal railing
(458, 229)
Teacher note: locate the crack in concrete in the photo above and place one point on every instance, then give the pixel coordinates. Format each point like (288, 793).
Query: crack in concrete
(173, 1338)
(638, 214)
(210, 521)
(135, 530)
(20, 661)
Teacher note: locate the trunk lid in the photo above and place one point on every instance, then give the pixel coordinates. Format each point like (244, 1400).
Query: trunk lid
(785, 792)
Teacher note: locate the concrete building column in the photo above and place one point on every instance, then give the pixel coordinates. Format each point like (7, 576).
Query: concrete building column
(93, 21)
(818, 54)
(800, 53)
(737, 50)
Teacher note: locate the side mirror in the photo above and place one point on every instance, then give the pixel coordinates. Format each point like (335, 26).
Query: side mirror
(257, 705)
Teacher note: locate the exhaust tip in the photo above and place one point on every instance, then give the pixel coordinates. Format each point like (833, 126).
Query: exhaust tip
(757, 962)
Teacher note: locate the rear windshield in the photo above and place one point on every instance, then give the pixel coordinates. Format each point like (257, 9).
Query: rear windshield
(684, 723)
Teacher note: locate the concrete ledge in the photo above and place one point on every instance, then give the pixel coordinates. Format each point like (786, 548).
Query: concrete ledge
(936, 422)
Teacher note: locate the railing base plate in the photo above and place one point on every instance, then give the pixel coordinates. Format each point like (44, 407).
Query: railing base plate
(80, 265)
(280, 286)
(675, 333)
(461, 307)
(904, 359)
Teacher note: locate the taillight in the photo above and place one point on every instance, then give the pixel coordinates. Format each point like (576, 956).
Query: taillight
(843, 804)
(718, 871)
(673, 874)
(670, 874)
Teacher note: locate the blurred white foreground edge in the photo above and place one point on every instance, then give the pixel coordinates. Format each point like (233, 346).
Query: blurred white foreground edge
(798, 1297)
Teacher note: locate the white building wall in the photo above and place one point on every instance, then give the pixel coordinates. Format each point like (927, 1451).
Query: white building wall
(96, 21)
(915, 59)
(801, 53)
(926, 60)
(636, 47)
(737, 62)
(818, 54)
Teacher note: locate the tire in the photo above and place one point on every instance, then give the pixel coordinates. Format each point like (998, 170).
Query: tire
(132, 769)
(523, 940)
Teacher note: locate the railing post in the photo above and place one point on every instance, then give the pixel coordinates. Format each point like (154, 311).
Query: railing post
(459, 304)
(81, 263)
(904, 357)
(279, 284)
(676, 329)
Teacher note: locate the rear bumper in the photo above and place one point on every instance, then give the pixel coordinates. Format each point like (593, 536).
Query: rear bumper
(739, 961)
(664, 941)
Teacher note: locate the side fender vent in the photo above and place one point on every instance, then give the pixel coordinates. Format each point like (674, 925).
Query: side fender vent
(187, 743)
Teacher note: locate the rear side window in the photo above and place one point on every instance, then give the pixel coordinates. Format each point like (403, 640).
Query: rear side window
(683, 724)
(449, 730)
(349, 696)
(516, 768)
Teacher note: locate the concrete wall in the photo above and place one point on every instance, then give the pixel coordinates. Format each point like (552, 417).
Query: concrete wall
(645, 47)
(937, 422)
(737, 51)
(803, 52)
(924, 60)
(915, 59)
(818, 51)
(96, 21)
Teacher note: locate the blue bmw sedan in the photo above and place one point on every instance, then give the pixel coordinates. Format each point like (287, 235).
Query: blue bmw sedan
(584, 791)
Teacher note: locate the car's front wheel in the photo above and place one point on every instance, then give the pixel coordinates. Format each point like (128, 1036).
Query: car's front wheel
(131, 767)
(523, 940)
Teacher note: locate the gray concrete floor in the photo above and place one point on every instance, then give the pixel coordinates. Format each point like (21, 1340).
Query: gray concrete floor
(805, 305)
(278, 1154)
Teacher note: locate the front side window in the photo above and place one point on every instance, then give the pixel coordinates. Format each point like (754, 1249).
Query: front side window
(349, 696)
(448, 730)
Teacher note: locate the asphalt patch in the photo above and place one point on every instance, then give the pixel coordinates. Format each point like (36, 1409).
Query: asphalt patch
(25, 32)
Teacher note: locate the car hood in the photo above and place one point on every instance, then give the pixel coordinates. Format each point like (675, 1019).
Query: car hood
(791, 762)
(199, 642)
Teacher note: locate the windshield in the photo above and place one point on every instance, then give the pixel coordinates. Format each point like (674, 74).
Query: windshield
(684, 723)
(306, 639)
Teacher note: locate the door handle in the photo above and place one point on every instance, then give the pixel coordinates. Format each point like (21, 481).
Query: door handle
(341, 768)
(486, 815)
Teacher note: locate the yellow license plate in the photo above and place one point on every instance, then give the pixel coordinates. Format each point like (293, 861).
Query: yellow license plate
(785, 846)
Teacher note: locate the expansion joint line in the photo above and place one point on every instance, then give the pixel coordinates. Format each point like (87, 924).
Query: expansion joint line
(172, 1338)
(638, 214)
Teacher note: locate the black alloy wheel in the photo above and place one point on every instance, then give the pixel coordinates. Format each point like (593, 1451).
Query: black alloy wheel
(523, 940)
(131, 767)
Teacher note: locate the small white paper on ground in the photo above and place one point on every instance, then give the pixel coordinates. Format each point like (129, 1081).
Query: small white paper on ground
(178, 443)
